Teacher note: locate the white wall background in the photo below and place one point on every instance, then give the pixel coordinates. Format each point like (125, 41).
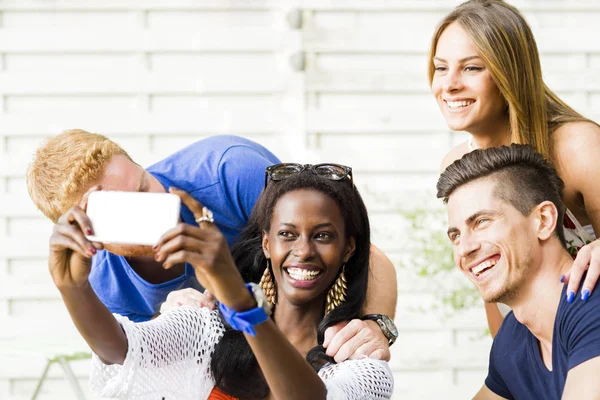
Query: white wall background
(155, 75)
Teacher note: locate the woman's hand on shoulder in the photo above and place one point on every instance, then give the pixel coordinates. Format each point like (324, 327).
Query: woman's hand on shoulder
(588, 259)
(71, 252)
(356, 339)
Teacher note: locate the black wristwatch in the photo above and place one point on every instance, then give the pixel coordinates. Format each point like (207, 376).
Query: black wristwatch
(386, 324)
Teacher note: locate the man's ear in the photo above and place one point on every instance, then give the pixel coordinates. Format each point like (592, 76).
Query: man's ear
(265, 244)
(350, 248)
(546, 217)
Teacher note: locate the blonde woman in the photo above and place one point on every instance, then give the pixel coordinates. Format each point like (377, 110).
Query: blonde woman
(485, 73)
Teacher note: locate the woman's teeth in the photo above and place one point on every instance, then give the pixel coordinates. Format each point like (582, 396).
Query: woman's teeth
(457, 104)
(300, 274)
(477, 270)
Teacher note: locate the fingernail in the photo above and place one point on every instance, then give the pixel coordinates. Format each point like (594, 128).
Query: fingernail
(88, 230)
(585, 295)
(155, 247)
(562, 278)
(570, 296)
(92, 250)
(157, 256)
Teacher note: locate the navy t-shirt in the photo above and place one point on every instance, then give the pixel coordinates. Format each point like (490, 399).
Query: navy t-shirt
(517, 370)
(226, 174)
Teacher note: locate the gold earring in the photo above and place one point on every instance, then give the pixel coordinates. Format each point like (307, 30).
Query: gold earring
(337, 294)
(268, 287)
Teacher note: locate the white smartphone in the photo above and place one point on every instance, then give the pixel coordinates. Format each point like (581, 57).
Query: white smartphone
(131, 217)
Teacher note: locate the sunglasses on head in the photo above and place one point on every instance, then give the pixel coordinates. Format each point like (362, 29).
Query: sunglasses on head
(335, 172)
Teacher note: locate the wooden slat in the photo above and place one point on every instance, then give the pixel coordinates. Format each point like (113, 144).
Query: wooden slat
(385, 121)
(440, 5)
(18, 248)
(140, 123)
(136, 5)
(18, 205)
(227, 39)
(338, 5)
(319, 40)
(137, 83)
(17, 289)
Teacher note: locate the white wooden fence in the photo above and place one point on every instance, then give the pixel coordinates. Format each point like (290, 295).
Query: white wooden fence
(341, 81)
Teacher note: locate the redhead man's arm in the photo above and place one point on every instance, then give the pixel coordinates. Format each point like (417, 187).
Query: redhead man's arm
(382, 293)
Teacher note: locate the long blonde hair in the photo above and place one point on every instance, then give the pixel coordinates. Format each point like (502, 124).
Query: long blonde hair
(505, 43)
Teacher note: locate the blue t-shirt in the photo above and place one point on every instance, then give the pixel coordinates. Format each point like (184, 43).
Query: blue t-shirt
(226, 174)
(516, 369)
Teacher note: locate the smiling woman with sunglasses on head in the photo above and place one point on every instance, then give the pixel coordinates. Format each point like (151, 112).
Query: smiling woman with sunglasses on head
(307, 246)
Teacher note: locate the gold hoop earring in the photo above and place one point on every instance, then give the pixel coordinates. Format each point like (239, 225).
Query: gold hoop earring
(268, 286)
(337, 294)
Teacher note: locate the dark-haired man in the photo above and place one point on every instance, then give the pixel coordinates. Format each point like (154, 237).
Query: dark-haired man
(504, 207)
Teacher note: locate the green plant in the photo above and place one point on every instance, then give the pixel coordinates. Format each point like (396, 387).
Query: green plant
(428, 253)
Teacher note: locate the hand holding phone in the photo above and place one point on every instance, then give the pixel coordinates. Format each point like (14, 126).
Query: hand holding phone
(132, 217)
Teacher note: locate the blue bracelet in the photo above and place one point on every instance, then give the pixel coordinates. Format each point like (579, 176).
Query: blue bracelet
(244, 321)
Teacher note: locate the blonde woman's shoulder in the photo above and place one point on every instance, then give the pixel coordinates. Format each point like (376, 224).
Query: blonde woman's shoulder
(454, 154)
(575, 138)
(576, 146)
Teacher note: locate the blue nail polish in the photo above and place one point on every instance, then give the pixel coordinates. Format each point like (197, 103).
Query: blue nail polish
(585, 295)
(570, 296)
(562, 278)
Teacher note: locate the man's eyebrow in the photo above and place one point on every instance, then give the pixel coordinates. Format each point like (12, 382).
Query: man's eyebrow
(462, 60)
(480, 213)
(472, 218)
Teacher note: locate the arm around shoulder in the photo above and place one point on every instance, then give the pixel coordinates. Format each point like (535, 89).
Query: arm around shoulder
(382, 292)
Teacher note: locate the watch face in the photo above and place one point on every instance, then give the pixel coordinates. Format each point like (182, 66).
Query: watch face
(390, 325)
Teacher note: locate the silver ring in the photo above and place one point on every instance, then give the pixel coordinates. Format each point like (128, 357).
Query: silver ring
(207, 216)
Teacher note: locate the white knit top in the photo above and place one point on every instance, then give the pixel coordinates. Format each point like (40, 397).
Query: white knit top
(169, 358)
